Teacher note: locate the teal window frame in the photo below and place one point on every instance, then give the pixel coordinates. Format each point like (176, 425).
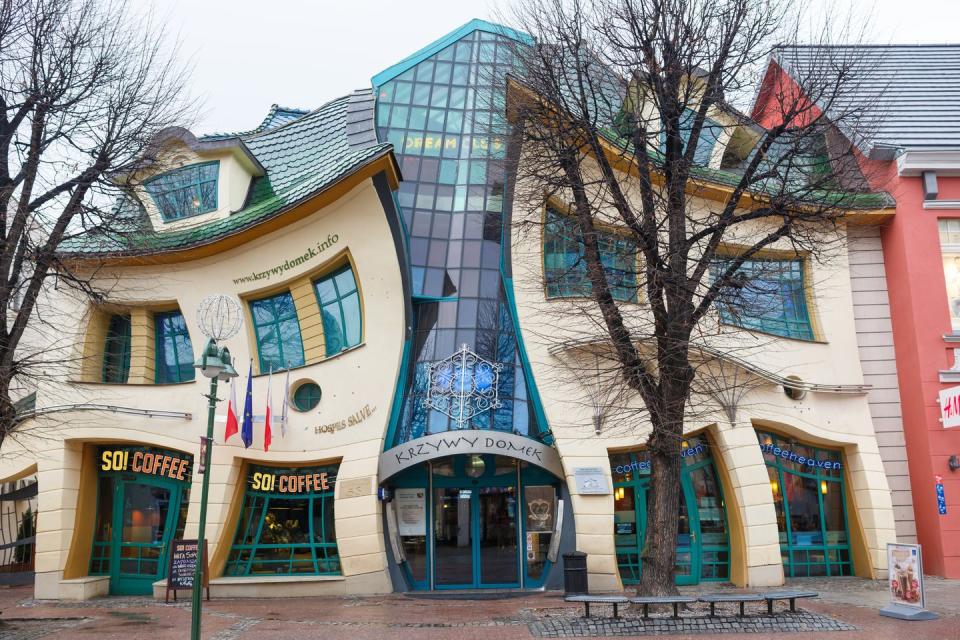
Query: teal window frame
(565, 267)
(341, 309)
(324, 555)
(713, 563)
(185, 192)
(772, 299)
(273, 319)
(173, 338)
(837, 558)
(307, 396)
(116, 350)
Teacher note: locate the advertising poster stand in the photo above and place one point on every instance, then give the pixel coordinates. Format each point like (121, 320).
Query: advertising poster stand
(905, 584)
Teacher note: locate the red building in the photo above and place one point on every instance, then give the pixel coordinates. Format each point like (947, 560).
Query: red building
(906, 271)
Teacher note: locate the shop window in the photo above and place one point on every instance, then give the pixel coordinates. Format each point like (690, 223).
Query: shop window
(565, 266)
(307, 396)
(703, 547)
(174, 350)
(950, 251)
(767, 296)
(286, 525)
(116, 350)
(340, 307)
(808, 496)
(277, 330)
(185, 192)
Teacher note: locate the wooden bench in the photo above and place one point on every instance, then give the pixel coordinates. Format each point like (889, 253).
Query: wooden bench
(792, 596)
(587, 600)
(646, 601)
(713, 598)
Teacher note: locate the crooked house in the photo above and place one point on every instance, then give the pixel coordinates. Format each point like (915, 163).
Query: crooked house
(433, 439)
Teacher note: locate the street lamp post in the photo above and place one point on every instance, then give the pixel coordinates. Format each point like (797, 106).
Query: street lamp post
(214, 364)
(219, 319)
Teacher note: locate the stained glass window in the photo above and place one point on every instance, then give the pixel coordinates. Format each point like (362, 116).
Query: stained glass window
(277, 329)
(116, 350)
(185, 192)
(340, 308)
(565, 265)
(768, 296)
(286, 525)
(174, 350)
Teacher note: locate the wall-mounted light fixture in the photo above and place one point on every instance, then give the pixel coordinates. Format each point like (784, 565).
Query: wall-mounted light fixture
(953, 462)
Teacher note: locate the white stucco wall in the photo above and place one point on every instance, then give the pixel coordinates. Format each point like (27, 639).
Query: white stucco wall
(569, 390)
(363, 376)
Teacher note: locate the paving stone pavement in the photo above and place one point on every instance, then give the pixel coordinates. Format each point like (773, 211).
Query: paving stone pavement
(37, 629)
(566, 626)
(535, 615)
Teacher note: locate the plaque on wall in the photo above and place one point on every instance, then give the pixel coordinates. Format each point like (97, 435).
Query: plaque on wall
(591, 481)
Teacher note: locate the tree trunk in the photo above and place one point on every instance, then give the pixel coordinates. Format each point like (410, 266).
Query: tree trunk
(663, 506)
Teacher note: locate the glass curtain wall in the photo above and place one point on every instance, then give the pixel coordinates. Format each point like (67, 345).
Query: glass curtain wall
(446, 123)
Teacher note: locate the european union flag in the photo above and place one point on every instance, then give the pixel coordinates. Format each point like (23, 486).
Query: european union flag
(246, 430)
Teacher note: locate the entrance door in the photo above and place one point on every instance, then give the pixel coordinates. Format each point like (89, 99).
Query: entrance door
(475, 537)
(144, 520)
(630, 529)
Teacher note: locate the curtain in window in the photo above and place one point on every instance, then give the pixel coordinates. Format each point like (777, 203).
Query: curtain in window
(116, 350)
(340, 308)
(769, 296)
(174, 350)
(185, 192)
(565, 267)
(277, 329)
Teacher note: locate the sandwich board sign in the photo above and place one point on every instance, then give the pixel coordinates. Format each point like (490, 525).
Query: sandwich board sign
(183, 564)
(905, 584)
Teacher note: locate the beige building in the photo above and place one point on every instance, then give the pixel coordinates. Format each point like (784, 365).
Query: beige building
(451, 424)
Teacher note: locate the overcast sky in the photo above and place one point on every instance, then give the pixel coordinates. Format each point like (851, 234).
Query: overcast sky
(249, 54)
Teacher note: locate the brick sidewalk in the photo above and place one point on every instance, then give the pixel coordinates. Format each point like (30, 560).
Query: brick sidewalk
(402, 617)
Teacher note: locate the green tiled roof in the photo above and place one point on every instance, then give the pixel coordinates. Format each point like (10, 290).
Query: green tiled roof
(302, 157)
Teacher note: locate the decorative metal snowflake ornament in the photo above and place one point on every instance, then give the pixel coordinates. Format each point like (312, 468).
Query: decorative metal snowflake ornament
(463, 385)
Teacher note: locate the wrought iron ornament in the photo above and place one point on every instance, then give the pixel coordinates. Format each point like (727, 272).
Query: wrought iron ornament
(463, 385)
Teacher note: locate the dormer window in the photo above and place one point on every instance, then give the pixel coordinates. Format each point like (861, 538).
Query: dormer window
(185, 192)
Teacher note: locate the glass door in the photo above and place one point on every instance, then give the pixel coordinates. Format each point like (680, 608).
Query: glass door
(144, 520)
(453, 537)
(497, 536)
(630, 530)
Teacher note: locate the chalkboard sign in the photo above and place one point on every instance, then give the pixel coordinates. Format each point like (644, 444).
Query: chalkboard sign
(182, 566)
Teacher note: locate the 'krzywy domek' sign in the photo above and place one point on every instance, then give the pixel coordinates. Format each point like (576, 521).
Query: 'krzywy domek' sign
(468, 441)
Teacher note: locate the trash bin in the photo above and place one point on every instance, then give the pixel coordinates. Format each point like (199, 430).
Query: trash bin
(575, 573)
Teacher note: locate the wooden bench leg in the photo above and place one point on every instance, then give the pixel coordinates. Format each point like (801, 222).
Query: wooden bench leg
(587, 607)
(646, 611)
(675, 612)
(712, 605)
(741, 608)
(793, 605)
(769, 607)
(615, 605)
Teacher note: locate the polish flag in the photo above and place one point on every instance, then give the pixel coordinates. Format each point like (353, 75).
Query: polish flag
(266, 423)
(233, 425)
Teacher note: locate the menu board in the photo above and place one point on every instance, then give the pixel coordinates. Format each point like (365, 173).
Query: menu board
(183, 565)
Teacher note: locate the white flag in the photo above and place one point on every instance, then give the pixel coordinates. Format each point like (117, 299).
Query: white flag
(286, 405)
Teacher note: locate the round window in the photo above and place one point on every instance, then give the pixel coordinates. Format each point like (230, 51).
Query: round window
(306, 397)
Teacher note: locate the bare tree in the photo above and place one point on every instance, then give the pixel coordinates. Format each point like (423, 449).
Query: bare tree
(612, 109)
(85, 85)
